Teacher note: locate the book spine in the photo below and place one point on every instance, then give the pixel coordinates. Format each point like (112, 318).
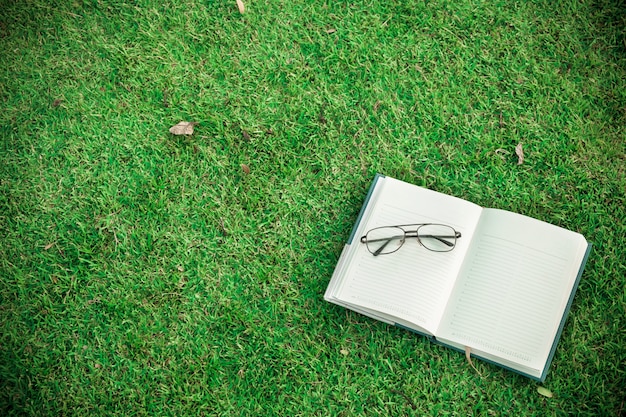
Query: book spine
(364, 206)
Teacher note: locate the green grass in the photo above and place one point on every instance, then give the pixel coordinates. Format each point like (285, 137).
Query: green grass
(147, 274)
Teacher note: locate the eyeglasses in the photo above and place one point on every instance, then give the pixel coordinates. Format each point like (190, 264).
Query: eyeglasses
(388, 239)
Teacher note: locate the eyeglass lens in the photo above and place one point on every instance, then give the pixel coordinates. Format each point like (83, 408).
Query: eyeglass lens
(437, 237)
(384, 240)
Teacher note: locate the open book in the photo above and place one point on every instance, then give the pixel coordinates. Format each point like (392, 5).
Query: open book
(504, 291)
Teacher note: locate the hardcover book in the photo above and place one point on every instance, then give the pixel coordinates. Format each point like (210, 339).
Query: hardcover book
(495, 282)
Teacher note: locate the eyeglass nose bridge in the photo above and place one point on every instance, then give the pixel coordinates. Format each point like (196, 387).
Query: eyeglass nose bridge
(411, 233)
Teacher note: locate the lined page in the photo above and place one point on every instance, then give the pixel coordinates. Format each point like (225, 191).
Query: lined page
(412, 284)
(513, 289)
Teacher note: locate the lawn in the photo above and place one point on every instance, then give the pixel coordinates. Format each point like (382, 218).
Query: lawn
(143, 273)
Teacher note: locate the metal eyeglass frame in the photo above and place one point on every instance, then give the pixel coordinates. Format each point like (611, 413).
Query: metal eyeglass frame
(410, 233)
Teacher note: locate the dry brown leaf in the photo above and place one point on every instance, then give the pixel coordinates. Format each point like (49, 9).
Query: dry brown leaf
(245, 168)
(501, 153)
(48, 246)
(331, 30)
(468, 356)
(183, 128)
(520, 154)
(468, 352)
(241, 6)
(321, 117)
(165, 102)
(344, 352)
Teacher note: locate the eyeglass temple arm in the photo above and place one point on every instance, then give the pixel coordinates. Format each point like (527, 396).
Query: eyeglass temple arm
(387, 240)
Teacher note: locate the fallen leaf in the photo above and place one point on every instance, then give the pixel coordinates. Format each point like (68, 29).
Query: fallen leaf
(344, 352)
(183, 128)
(520, 154)
(241, 6)
(223, 228)
(501, 153)
(468, 352)
(165, 102)
(321, 117)
(57, 102)
(245, 168)
(468, 356)
(406, 397)
(331, 30)
(544, 391)
(48, 246)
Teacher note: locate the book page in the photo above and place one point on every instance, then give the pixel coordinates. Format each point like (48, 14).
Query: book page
(513, 289)
(411, 285)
